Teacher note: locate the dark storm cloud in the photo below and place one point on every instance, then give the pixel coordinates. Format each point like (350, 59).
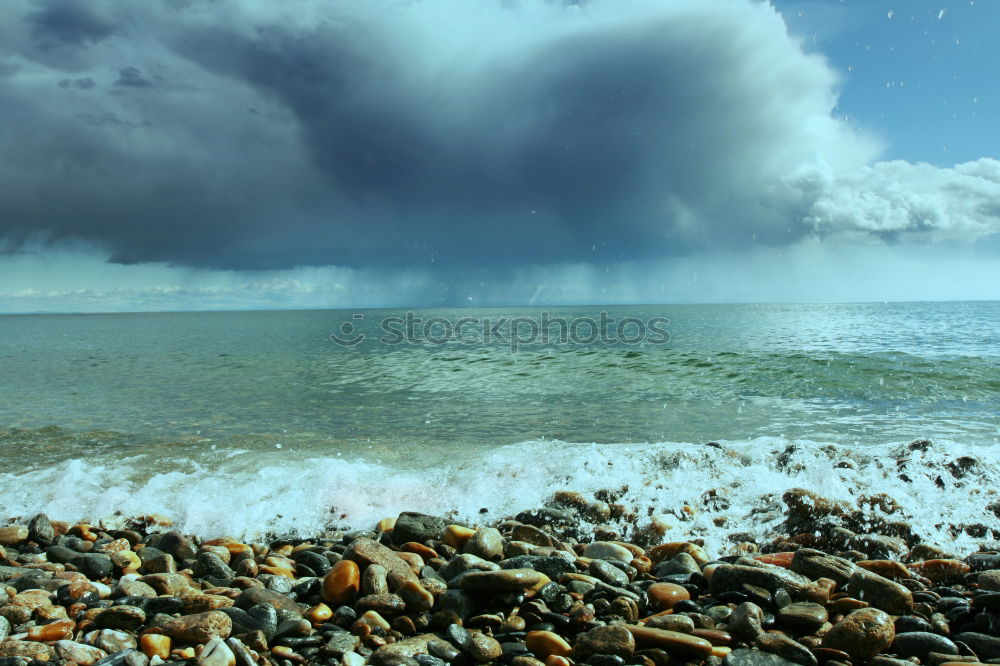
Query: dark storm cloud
(67, 22)
(482, 133)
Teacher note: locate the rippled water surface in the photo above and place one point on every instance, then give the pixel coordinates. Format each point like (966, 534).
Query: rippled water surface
(244, 392)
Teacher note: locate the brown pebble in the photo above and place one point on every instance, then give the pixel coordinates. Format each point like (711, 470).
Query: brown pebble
(862, 633)
(342, 582)
(53, 631)
(674, 643)
(664, 596)
(547, 643)
(155, 645)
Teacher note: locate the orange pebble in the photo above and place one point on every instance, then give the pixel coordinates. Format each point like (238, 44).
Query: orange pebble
(342, 583)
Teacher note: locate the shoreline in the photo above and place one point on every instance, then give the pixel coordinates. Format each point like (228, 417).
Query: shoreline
(833, 586)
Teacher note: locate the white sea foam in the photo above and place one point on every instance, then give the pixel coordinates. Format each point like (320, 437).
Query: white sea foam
(248, 494)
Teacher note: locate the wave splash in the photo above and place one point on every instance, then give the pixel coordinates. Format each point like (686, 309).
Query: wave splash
(716, 492)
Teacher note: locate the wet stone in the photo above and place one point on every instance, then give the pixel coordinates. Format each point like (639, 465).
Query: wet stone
(418, 527)
(746, 622)
(607, 640)
(483, 648)
(786, 648)
(862, 633)
(486, 543)
(748, 657)
(804, 616)
(985, 646)
(608, 573)
(505, 580)
(199, 628)
(920, 643)
(126, 618)
(111, 640)
(881, 592)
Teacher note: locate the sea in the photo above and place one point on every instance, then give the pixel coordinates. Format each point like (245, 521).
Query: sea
(258, 423)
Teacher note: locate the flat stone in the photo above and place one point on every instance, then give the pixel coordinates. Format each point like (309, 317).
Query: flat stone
(111, 640)
(366, 551)
(375, 580)
(397, 653)
(199, 628)
(83, 655)
(384, 604)
(786, 648)
(505, 580)
(253, 596)
(419, 527)
(552, 566)
(728, 577)
(880, 592)
(815, 564)
(671, 642)
(862, 633)
(126, 618)
(920, 644)
(804, 616)
(604, 571)
(612, 639)
(12, 536)
(748, 657)
(29, 649)
(681, 623)
(606, 550)
(466, 562)
(989, 580)
(985, 646)
(169, 584)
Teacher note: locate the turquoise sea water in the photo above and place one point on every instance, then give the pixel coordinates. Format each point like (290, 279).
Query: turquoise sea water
(252, 420)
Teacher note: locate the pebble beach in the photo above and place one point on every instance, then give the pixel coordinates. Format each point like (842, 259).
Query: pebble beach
(558, 585)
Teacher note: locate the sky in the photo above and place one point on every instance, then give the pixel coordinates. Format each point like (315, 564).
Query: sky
(215, 154)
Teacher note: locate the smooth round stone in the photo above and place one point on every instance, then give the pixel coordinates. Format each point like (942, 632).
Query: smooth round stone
(54, 631)
(546, 643)
(941, 570)
(664, 596)
(920, 643)
(908, 623)
(746, 657)
(416, 597)
(111, 640)
(862, 633)
(670, 550)
(199, 628)
(680, 623)
(486, 543)
(881, 592)
(83, 655)
(605, 550)
(681, 563)
(126, 618)
(805, 616)
(457, 536)
(342, 582)
(786, 648)
(505, 580)
(607, 640)
(483, 648)
(384, 604)
(608, 573)
(671, 642)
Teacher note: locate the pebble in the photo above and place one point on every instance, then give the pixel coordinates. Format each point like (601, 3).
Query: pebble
(83, 655)
(676, 644)
(921, 643)
(547, 643)
(862, 633)
(504, 580)
(606, 550)
(609, 640)
(664, 596)
(527, 595)
(199, 628)
(880, 592)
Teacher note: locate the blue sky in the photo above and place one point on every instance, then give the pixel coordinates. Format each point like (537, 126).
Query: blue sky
(245, 154)
(923, 75)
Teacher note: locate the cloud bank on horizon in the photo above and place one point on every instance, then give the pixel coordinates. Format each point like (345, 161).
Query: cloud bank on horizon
(250, 135)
